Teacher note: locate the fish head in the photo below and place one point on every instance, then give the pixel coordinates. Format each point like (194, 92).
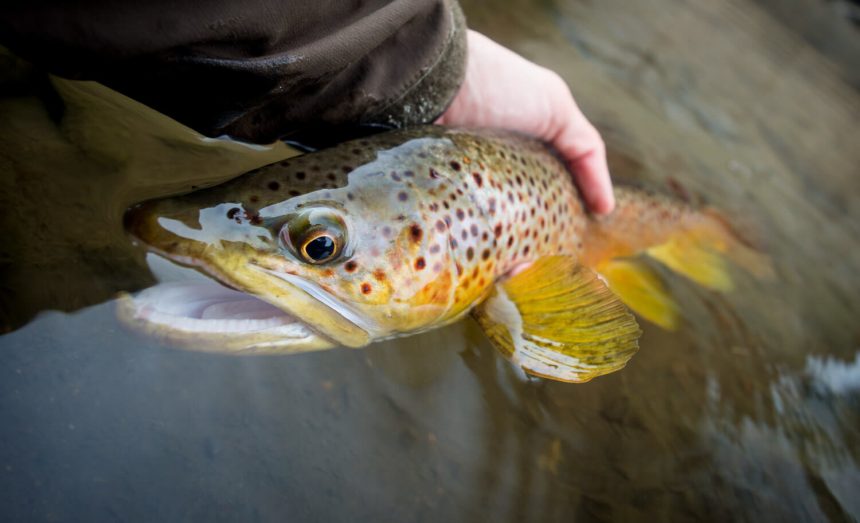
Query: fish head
(355, 263)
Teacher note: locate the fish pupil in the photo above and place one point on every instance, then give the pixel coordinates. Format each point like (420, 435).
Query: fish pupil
(320, 248)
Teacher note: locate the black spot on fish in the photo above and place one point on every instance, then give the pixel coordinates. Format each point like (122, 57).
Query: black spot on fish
(415, 232)
(274, 186)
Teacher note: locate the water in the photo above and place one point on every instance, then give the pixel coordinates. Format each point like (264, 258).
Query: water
(749, 412)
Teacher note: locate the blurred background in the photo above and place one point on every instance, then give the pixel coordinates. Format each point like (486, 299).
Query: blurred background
(749, 412)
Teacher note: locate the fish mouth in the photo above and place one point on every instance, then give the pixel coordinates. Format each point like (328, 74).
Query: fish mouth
(272, 300)
(194, 311)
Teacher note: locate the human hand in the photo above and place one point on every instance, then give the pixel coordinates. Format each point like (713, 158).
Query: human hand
(504, 90)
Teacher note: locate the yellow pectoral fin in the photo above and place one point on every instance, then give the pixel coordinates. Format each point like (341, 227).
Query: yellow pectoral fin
(557, 320)
(641, 290)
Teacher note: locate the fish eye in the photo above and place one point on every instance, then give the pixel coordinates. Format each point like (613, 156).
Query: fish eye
(315, 236)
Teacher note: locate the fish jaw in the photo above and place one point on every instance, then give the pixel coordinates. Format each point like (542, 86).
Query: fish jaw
(235, 255)
(186, 314)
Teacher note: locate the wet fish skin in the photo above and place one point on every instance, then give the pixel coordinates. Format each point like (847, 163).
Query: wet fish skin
(435, 217)
(427, 222)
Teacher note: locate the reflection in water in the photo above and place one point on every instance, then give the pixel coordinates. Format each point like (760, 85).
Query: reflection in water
(750, 411)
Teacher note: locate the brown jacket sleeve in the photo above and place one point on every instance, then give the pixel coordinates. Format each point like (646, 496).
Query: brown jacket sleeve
(256, 70)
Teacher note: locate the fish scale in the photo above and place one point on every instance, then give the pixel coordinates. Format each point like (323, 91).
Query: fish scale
(482, 206)
(420, 226)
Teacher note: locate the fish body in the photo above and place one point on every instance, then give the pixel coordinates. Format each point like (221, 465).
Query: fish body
(407, 231)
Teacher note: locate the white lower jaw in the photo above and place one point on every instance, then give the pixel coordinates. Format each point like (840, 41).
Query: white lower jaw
(208, 307)
(193, 311)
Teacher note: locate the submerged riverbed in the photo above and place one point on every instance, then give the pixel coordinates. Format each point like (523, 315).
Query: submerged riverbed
(750, 411)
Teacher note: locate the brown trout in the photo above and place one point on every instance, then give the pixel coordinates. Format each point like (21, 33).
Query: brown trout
(411, 230)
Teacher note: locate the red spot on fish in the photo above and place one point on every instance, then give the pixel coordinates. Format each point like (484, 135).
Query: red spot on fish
(420, 264)
(379, 274)
(366, 288)
(350, 266)
(478, 180)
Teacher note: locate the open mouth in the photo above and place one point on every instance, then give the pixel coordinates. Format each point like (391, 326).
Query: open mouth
(209, 307)
(193, 311)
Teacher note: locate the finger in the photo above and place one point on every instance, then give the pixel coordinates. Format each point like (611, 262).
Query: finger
(581, 145)
(592, 177)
